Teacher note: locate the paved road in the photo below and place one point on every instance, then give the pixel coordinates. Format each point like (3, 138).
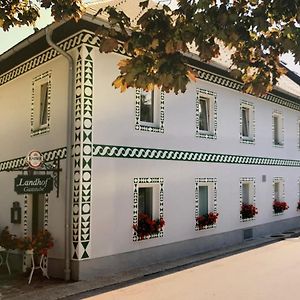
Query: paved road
(270, 272)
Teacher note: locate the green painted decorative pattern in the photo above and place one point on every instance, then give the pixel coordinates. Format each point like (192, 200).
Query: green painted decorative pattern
(82, 185)
(250, 180)
(48, 156)
(47, 55)
(91, 39)
(144, 181)
(205, 181)
(181, 155)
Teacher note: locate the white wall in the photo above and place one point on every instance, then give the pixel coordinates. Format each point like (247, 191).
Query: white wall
(15, 114)
(112, 192)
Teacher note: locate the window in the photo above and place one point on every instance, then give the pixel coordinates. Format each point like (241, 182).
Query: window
(247, 122)
(299, 134)
(149, 110)
(206, 201)
(146, 201)
(206, 114)
(40, 106)
(279, 204)
(248, 209)
(148, 204)
(44, 104)
(277, 129)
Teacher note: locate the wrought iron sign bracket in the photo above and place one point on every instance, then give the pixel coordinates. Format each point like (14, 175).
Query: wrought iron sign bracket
(45, 169)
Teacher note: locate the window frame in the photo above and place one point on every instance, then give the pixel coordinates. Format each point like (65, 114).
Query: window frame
(279, 116)
(158, 112)
(157, 183)
(212, 198)
(252, 195)
(39, 102)
(211, 99)
(250, 139)
(280, 181)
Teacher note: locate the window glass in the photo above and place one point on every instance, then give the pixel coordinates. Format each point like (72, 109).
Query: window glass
(147, 107)
(145, 201)
(203, 200)
(204, 114)
(277, 190)
(276, 130)
(246, 193)
(44, 104)
(245, 121)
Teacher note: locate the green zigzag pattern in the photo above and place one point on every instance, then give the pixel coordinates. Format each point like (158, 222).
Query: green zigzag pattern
(180, 155)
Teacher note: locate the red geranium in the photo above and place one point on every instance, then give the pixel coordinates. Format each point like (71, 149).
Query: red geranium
(279, 206)
(147, 226)
(248, 211)
(207, 219)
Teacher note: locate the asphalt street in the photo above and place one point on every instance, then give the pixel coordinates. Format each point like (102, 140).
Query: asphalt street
(268, 272)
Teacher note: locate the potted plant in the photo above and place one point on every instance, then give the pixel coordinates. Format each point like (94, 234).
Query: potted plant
(25, 244)
(8, 240)
(147, 226)
(279, 206)
(42, 242)
(248, 211)
(206, 220)
(39, 244)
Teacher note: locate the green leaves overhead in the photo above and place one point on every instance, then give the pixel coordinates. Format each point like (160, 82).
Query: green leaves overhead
(158, 40)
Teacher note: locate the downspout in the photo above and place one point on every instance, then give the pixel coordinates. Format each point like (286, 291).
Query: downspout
(69, 165)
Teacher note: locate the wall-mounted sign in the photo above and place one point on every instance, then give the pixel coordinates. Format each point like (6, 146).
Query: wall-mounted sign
(34, 159)
(28, 184)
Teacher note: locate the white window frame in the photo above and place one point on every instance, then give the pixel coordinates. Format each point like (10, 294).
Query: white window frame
(252, 194)
(211, 183)
(250, 138)
(157, 125)
(157, 184)
(39, 100)
(279, 116)
(211, 99)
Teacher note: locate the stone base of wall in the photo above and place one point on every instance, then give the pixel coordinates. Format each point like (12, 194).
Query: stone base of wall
(109, 265)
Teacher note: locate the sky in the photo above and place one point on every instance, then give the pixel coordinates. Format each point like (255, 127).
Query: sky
(10, 38)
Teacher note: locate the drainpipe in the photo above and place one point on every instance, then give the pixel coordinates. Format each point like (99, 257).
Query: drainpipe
(69, 165)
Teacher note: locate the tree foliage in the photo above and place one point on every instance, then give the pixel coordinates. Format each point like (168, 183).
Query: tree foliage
(257, 32)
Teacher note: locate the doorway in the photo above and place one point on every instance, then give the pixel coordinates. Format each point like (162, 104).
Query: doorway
(38, 213)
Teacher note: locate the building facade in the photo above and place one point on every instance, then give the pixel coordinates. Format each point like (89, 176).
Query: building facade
(209, 150)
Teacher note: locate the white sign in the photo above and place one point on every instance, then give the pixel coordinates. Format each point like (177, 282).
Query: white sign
(34, 159)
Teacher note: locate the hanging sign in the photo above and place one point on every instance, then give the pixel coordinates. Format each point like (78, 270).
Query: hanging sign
(34, 159)
(28, 184)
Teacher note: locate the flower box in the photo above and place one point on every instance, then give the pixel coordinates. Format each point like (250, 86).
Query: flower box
(248, 211)
(207, 220)
(146, 226)
(279, 206)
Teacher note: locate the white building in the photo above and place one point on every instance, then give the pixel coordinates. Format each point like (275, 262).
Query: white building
(207, 150)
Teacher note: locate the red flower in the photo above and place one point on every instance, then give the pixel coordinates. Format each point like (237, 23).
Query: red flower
(207, 220)
(279, 206)
(147, 226)
(248, 211)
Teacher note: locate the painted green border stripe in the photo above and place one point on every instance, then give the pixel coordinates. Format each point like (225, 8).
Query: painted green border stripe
(50, 155)
(179, 155)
